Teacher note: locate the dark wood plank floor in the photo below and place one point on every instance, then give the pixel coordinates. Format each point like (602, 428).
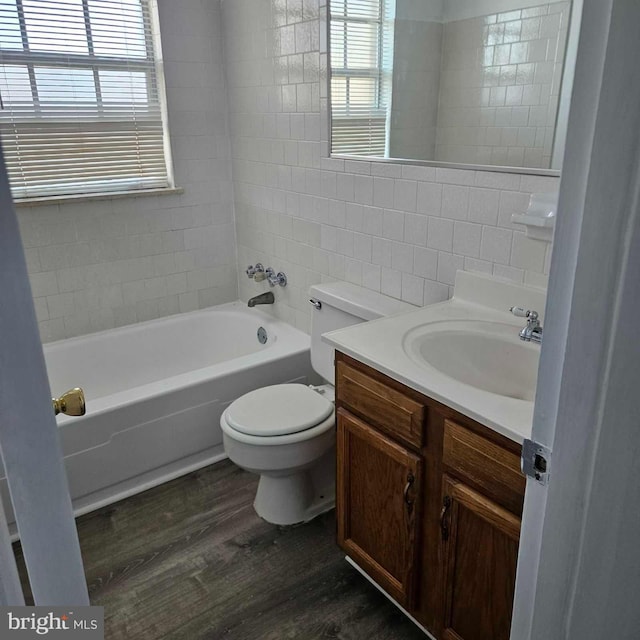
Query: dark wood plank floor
(192, 560)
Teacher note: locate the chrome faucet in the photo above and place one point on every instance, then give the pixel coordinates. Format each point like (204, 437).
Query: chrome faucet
(533, 331)
(263, 298)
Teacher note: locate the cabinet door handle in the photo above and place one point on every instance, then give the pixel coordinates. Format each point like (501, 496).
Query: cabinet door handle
(407, 500)
(444, 525)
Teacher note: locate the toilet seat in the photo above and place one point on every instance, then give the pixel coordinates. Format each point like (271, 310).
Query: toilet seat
(278, 410)
(248, 413)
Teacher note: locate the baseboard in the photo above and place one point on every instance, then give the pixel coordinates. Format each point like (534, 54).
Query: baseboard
(379, 588)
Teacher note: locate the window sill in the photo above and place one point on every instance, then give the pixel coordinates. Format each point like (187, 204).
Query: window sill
(91, 197)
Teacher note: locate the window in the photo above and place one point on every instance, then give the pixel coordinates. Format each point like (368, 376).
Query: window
(361, 59)
(81, 106)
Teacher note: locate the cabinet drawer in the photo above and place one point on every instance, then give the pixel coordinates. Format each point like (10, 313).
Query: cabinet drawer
(484, 463)
(390, 410)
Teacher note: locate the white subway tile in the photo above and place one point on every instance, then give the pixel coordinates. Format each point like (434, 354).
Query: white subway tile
(508, 273)
(364, 189)
(372, 276)
(412, 289)
(448, 265)
(429, 198)
(393, 224)
(381, 252)
(527, 253)
(415, 229)
(466, 238)
(435, 292)
(405, 195)
(354, 216)
(386, 169)
(362, 247)
(391, 283)
(455, 202)
(496, 245)
(402, 257)
(440, 234)
(383, 192)
(425, 263)
(484, 205)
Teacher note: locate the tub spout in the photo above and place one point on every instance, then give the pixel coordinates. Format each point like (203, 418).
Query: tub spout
(263, 298)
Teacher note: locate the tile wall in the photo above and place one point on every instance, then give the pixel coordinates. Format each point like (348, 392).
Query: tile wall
(499, 86)
(100, 264)
(402, 230)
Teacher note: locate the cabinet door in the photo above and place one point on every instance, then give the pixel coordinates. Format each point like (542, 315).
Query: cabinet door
(480, 542)
(378, 504)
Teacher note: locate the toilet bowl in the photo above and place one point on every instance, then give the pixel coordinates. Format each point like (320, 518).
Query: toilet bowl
(286, 434)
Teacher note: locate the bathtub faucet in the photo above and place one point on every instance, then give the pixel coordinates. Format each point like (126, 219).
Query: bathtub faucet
(263, 298)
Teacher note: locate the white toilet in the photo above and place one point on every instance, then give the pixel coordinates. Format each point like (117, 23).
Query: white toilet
(286, 432)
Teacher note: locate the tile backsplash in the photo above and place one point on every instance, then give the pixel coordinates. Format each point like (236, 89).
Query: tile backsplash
(400, 229)
(97, 264)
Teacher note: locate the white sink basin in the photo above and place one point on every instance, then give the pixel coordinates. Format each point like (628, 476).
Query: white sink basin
(486, 355)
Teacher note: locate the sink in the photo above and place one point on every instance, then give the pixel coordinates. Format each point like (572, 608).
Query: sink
(486, 355)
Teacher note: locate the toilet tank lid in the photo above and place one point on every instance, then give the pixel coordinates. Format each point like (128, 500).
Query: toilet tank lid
(358, 301)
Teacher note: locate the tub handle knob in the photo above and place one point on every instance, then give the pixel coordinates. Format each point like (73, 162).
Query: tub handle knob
(258, 272)
(70, 403)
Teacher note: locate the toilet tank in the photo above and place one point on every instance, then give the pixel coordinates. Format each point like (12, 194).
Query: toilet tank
(343, 304)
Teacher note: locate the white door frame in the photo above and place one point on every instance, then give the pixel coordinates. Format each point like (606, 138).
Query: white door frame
(10, 588)
(579, 563)
(29, 442)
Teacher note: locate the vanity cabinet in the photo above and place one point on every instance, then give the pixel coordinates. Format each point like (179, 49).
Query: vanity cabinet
(480, 551)
(428, 504)
(379, 476)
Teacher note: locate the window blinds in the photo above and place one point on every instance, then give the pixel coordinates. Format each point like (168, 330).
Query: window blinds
(361, 60)
(81, 109)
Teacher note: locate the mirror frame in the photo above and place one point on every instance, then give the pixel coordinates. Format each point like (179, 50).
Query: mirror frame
(563, 106)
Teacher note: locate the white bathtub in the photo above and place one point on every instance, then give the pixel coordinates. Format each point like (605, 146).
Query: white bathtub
(155, 392)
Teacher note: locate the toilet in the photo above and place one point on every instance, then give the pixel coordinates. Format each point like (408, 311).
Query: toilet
(286, 432)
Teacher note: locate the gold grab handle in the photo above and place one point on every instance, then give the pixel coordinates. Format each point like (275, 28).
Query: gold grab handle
(70, 403)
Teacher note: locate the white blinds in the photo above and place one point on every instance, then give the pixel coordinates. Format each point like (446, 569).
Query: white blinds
(361, 60)
(81, 109)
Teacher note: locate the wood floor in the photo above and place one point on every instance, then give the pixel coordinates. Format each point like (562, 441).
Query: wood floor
(191, 559)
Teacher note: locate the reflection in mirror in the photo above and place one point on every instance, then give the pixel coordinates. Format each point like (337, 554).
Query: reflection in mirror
(455, 81)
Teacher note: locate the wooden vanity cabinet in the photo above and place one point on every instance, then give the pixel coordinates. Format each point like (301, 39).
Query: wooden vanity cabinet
(480, 517)
(379, 484)
(480, 551)
(428, 504)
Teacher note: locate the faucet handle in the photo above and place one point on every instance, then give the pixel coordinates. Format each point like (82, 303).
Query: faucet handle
(524, 313)
(277, 278)
(259, 275)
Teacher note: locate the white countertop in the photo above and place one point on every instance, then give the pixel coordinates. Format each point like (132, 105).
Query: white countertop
(379, 344)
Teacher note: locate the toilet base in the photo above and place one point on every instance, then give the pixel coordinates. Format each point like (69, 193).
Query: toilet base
(291, 499)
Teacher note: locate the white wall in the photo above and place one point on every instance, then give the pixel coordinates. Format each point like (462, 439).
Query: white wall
(403, 230)
(98, 264)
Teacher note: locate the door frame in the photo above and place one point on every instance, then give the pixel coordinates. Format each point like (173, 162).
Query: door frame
(579, 564)
(29, 442)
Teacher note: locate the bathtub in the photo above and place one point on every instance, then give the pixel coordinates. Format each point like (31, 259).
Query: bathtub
(155, 392)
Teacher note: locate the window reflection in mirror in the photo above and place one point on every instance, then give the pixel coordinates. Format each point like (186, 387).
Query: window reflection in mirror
(452, 81)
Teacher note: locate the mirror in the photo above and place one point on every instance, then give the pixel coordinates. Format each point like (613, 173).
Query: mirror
(468, 82)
